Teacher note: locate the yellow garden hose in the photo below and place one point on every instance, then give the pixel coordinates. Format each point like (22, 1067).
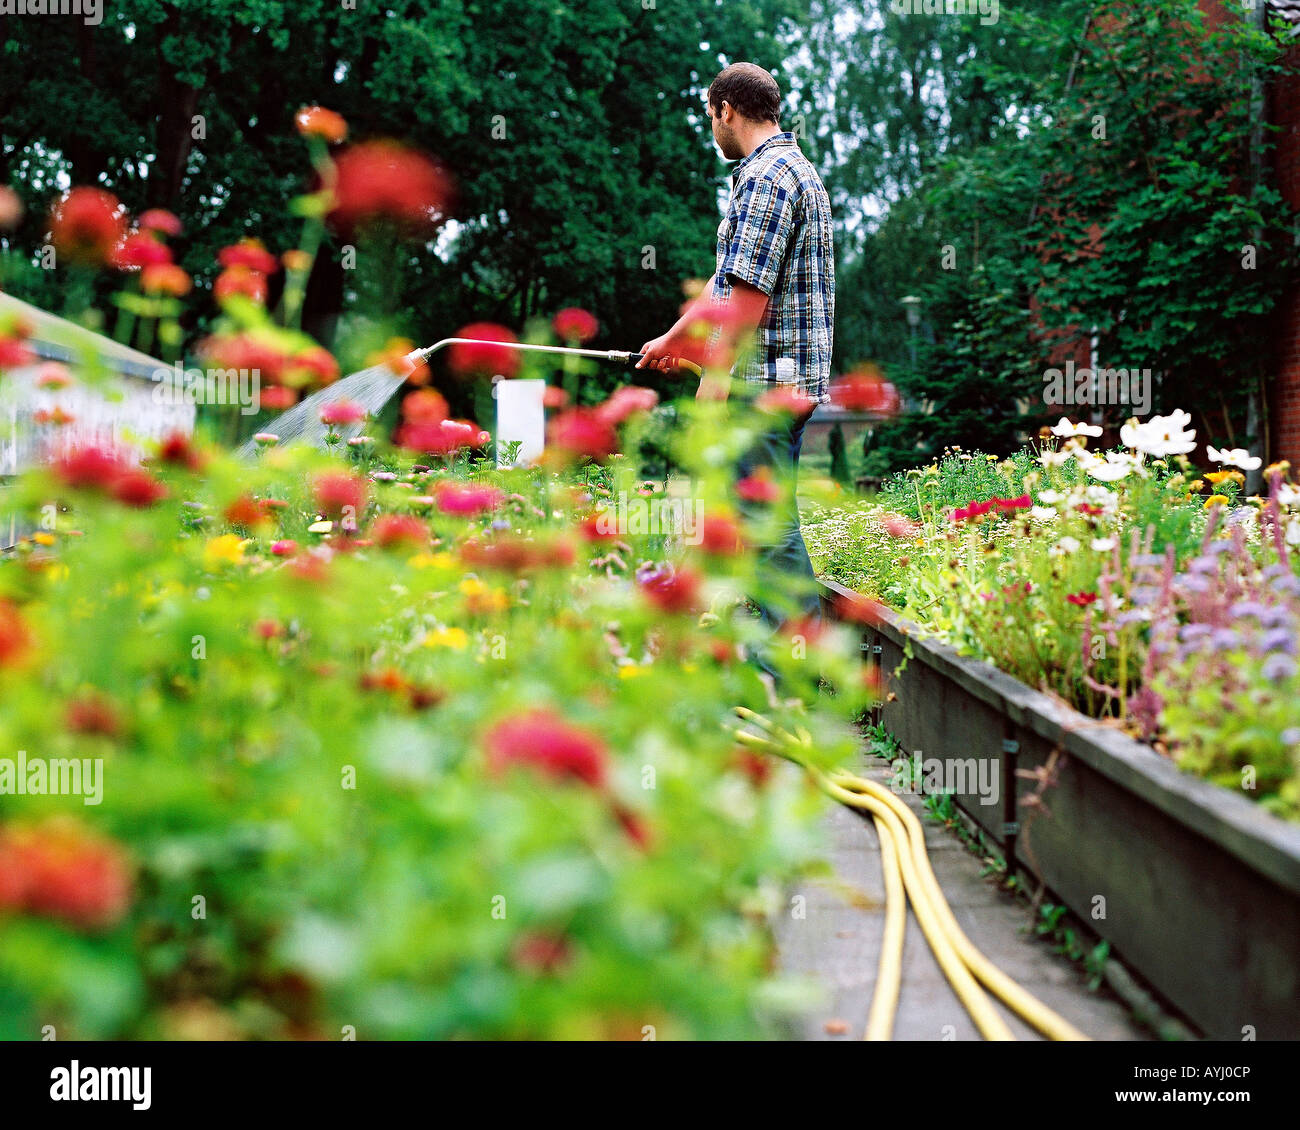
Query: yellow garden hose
(909, 876)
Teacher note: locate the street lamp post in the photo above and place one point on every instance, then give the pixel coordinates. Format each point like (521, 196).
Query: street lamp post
(912, 305)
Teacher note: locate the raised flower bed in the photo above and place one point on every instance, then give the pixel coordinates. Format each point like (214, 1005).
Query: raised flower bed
(1049, 572)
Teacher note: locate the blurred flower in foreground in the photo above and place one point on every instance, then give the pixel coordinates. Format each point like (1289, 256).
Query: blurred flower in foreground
(383, 180)
(866, 390)
(87, 225)
(58, 869)
(316, 121)
(542, 740)
(482, 358)
(575, 326)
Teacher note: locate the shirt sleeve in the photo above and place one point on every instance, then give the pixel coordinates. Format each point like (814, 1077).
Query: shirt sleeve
(764, 221)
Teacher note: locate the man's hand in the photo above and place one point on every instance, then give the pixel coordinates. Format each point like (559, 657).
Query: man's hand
(659, 354)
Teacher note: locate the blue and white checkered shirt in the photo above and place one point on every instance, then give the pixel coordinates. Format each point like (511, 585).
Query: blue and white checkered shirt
(777, 237)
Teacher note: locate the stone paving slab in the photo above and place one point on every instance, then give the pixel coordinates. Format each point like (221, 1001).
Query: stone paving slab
(835, 946)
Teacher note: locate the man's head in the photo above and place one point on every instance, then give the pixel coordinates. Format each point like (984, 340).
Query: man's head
(743, 99)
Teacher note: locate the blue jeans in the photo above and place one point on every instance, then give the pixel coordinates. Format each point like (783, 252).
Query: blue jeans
(787, 583)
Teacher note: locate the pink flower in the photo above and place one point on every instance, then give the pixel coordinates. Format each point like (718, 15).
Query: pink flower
(342, 412)
(337, 491)
(284, 548)
(583, 433)
(784, 399)
(896, 526)
(397, 530)
(759, 487)
(482, 358)
(575, 325)
(626, 401)
(160, 220)
(466, 499)
(1023, 502)
(542, 740)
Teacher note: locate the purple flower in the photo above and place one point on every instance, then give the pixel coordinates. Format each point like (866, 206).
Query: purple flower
(1203, 566)
(1278, 667)
(1189, 633)
(1276, 616)
(1194, 584)
(501, 524)
(1291, 736)
(1145, 594)
(1248, 608)
(1225, 638)
(1287, 583)
(1279, 639)
(1218, 548)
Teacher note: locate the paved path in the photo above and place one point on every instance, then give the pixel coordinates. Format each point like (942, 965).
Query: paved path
(837, 944)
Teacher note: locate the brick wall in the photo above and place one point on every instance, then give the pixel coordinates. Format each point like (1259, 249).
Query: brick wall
(1284, 401)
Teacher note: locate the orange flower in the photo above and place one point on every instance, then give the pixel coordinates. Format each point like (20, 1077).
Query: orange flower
(250, 253)
(316, 121)
(240, 280)
(165, 278)
(295, 260)
(139, 249)
(15, 639)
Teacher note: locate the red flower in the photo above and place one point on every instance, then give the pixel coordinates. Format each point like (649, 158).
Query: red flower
(866, 390)
(554, 397)
(90, 468)
(240, 280)
(92, 714)
(15, 639)
(59, 870)
(160, 220)
(1089, 509)
(1023, 502)
(399, 530)
(484, 360)
(672, 590)
(973, 510)
(137, 488)
(759, 487)
(583, 433)
(316, 121)
(625, 402)
(540, 952)
(466, 499)
(343, 412)
(1082, 599)
(574, 325)
(250, 254)
(542, 740)
(379, 180)
(14, 354)
(441, 437)
(720, 535)
(785, 399)
(87, 225)
(284, 548)
(139, 249)
(516, 555)
(337, 491)
(314, 364)
(178, 450)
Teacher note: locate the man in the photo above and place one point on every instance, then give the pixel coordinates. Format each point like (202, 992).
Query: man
(776, 276)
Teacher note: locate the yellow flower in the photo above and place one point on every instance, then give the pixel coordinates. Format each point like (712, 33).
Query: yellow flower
(454, 638)
(228, 549)
(1217, 477)
(432, 561)
(1215, 500)
(43, 538)
(1282, 465)
(1195, 485)
(472, 586)
(629, 671)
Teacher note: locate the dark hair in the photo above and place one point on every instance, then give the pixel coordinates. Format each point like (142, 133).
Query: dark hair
(751, 91)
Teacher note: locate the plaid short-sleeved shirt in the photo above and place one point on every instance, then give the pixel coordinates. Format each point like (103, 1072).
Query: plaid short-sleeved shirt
(776, 236)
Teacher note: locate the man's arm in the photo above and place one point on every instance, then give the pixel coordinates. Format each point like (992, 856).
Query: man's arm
(740, 316)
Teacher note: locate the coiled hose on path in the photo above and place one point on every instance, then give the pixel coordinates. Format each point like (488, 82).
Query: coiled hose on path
(909, 876)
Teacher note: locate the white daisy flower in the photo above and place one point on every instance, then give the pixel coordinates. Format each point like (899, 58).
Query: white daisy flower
(1236, 457)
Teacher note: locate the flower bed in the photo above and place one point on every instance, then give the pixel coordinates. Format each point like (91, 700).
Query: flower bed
(384, 741)
(1109, 581)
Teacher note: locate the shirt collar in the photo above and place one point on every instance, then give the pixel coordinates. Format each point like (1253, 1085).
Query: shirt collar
(773, 142)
